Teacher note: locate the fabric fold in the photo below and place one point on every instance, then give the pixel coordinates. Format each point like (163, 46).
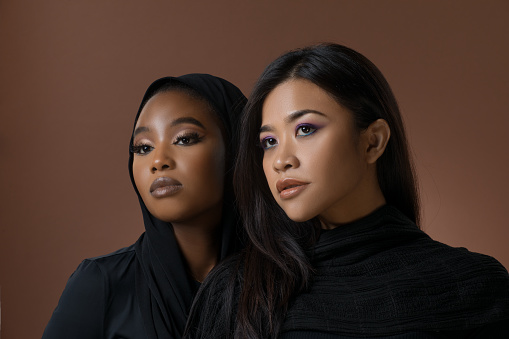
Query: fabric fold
(382, 276)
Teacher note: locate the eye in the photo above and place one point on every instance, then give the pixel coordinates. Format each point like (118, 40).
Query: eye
(141, 149)
(187, 139)
(268, 142)
(303, 130)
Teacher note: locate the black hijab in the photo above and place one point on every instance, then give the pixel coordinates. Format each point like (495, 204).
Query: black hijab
(164, 289)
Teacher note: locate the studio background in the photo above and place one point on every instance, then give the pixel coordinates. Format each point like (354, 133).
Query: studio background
(73, 74)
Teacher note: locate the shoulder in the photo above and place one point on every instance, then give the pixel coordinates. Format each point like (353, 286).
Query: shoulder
(470, 284)
(83, 304)
(94, 272)
(123, 255)
(462, 263)
(104, 272)
(109, 265)
(469, 274)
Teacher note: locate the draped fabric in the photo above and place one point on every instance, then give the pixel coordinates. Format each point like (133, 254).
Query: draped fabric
(164, 289)
(382, 276)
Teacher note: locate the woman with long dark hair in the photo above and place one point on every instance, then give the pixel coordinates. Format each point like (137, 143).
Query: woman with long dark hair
(328, 197)
(180, 163)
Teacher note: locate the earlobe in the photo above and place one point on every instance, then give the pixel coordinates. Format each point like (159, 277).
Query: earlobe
(377, 135)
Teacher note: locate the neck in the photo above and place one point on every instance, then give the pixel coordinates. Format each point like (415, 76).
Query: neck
(367, 199)
(199, 241)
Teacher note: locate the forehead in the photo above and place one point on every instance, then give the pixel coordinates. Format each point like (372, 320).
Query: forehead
(170, 105)
(297, 94)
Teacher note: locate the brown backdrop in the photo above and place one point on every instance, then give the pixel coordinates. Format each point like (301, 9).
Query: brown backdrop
(73, 74)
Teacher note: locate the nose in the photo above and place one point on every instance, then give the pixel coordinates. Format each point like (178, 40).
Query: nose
(285, 158)
(161, 160)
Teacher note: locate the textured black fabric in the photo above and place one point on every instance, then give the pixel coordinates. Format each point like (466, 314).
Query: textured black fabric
(378, 277)
(144, 291)
(498, 330)
(382, 276)
(322, 335)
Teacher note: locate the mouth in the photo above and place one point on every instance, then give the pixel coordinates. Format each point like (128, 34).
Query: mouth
(164, 187)
(289, 188)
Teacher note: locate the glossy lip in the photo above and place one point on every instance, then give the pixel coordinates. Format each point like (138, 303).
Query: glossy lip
(289, 188)
(164, 187)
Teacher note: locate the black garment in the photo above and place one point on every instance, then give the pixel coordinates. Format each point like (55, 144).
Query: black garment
(382, 276)
(379, 277)
(498, 330)
(150, 277)
(99, 300)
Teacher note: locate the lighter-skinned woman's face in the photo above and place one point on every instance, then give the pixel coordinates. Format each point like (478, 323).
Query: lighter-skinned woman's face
(314, 158)
(179, 157)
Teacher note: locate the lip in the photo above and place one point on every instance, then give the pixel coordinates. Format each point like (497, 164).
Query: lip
(164, 187)
(290, 188)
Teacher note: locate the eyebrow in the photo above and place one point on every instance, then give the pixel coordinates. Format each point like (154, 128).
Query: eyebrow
(187, 120)
(176, 122)
(139, 130)
(292, 117)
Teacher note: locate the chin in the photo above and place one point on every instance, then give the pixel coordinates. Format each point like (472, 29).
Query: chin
(174, 219)
(298, 215)
(169, 215)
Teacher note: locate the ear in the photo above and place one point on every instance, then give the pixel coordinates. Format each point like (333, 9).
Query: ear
(376, 136)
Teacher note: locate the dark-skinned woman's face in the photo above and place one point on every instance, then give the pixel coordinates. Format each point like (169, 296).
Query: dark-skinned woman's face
(179, 157)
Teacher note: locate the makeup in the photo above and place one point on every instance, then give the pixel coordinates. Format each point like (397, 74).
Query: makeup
(268, 142)
(187, 139)
(163, 187)
(290, 188)
(303, 130)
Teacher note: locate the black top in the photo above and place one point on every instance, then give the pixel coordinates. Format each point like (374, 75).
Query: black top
(99, 301)
(380, 277)
(145, 291)
(498, 330)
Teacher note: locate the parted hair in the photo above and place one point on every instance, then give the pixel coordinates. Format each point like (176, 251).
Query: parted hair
(275, 263)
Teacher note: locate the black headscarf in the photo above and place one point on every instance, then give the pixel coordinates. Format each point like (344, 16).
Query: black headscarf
(164, 289)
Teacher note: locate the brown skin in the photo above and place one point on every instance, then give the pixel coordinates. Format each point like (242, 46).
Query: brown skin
(192, 153)
(334, 162)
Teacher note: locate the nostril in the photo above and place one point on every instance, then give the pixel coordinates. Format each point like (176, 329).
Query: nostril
(160, 167)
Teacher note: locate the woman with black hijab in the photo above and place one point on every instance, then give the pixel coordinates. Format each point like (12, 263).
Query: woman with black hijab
(180, 157)
(332, 215)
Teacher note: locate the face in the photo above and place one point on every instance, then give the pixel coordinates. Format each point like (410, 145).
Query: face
(314, 157)
(179, 158)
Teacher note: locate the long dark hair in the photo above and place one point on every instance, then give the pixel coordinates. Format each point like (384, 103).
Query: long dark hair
(276, 266)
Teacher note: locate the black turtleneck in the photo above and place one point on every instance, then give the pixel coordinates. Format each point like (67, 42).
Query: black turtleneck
(382, 277)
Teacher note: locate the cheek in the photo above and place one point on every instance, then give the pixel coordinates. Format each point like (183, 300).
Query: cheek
(266, 166)
(139, 175)
(206, 168)
(338, 166)
(268, 170)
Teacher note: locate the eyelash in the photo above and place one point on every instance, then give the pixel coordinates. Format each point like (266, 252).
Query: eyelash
(192, 137)
(185, 139)
(312, 129)
(140, 149)
(301, 126)
(264, 141)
